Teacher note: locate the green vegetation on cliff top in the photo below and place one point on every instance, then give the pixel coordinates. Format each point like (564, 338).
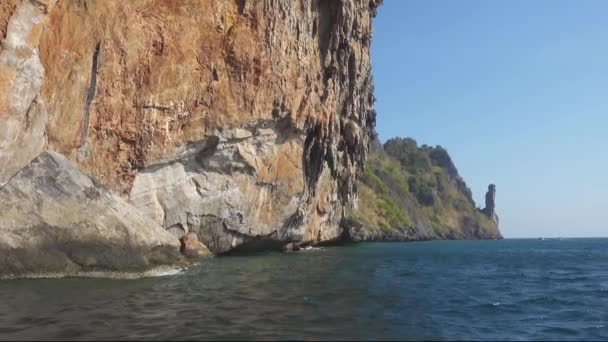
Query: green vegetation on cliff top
(410, 192)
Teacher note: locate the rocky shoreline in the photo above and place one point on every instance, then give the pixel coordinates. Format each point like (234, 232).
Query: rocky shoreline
(57, 221)
(355, 232)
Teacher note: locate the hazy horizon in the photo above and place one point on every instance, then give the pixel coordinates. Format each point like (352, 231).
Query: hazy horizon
(515, 92)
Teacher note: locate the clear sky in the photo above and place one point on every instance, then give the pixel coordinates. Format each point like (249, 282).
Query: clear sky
(517, 91)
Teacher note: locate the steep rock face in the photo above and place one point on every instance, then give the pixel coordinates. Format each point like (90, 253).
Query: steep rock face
(54, 219)
(490, 208)
(246, 122)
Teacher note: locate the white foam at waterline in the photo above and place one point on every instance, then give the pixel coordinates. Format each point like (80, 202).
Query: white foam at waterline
(162, 271)
(311, 248)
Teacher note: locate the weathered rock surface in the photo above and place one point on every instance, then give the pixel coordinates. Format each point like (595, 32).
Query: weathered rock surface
(192, 247)
(246, 122)
(23, 116)
(54, 219)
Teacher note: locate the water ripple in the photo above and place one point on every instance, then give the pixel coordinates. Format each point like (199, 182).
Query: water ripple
(443, 290)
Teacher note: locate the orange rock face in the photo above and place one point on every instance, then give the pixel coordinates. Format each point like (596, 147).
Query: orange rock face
(192, 247)
(244, 121)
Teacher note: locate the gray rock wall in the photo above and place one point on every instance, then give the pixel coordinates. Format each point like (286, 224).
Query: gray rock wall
(55, 219)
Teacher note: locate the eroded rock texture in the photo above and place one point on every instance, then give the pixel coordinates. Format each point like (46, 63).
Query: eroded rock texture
(22, 113)
(246, 122)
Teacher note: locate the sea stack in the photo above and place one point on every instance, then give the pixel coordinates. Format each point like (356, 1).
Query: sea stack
(490, 209)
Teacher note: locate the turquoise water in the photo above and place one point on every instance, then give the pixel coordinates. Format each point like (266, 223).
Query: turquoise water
(481, 290)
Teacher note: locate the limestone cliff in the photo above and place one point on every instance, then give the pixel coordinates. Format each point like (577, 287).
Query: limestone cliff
(416, 193)
(245, 122)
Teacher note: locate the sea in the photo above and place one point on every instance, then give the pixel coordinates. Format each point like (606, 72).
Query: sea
(513, 289)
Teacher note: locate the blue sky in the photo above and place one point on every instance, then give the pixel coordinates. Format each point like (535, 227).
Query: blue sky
(517, 91)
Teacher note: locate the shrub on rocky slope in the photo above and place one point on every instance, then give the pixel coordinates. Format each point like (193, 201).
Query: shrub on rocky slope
(412, 192)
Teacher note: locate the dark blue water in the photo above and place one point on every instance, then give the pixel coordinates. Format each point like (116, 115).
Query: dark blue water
(463, 290)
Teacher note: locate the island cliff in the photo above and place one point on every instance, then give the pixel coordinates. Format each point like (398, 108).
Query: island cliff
(416, 193)
(127, 125)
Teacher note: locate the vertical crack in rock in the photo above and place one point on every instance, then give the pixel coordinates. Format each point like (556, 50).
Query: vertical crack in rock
(241, 6)
(90, 95)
